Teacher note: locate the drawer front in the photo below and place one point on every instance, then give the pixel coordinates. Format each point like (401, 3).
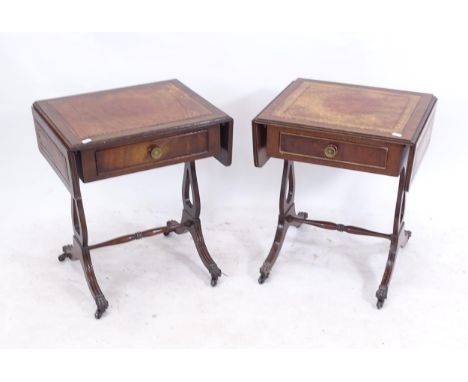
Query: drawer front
(333, 150)
(149, 154)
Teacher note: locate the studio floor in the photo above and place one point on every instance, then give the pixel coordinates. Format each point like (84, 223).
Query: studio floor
(319, 294)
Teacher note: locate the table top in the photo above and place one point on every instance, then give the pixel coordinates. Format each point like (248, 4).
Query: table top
(376, 112)
(106, 116)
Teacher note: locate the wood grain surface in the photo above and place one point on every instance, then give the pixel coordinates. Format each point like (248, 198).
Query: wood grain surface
(92, 118)
(370, 111)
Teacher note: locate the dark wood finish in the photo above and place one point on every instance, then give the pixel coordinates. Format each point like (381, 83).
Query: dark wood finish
(399, 237)
(347, 126)
(121, 131)
(190, 221)
(104, 163)
(351, 117)
(287, 216)
(115, 115)
(80, 250)
(341, 228)
(418, 150)
(362, 110)
(125, 122)
(305, 146)
(53, 150)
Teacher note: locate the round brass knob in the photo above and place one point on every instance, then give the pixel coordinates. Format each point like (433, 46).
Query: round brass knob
(156, 152)
(330, 151)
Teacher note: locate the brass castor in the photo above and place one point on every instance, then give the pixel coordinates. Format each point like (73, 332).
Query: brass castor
(102, 305)
(66, 254)
(99, 314)
(381, 295)
(262, 278)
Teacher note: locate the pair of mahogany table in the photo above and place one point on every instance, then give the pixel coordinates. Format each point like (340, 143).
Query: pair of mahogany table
(110, 133)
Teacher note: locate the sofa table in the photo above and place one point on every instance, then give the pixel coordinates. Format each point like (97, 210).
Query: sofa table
(354, 127)
(115, 132)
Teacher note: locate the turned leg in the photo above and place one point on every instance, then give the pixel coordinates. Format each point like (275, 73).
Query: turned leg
(79, 250)
(190, 221)
(399, 238)
(287, 212)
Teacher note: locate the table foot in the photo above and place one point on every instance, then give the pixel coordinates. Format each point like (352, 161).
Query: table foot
(381, 295)
(77, 252)
(102, 305)
(193, 226)
(264, 272)
(262, 278)
(405, 237)
(215, 273)
(87, 265)
(67, 253)
(281, 229)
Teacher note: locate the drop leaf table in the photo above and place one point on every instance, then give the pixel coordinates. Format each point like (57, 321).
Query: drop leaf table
(110, 133)
(354, 127)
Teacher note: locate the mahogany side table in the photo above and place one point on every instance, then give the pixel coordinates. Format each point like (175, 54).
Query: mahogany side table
(116, 132)
(354, 127)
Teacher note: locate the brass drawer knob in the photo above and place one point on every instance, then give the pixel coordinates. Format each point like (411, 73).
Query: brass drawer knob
(156, 152)
(330, 151)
